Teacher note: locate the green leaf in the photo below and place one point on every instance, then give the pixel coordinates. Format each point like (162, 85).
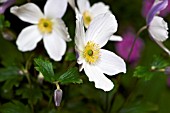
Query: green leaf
(33, 94)
(159, 62)
(46, 68)
(143, 72)
(14, 107)
(140, 107)
(3, 22)
(71, 76)
(10, 55)
(9, 73)
(147, 72)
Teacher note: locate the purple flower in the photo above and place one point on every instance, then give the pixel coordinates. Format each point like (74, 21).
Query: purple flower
(157, 27)
(167, 70)
(155, 9)
(147, 4)
(5, 5)
(123, 48)
(168, 81)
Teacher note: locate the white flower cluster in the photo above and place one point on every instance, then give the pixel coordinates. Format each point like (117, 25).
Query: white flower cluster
(100, 26)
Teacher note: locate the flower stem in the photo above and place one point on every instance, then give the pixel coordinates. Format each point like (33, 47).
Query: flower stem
(133, 44)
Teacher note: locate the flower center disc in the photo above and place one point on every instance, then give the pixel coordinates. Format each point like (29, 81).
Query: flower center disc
(87, 18)
(91, 52)
(45, 25)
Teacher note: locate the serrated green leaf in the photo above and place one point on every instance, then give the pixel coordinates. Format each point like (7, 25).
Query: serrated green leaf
(71, 76)
(33, 94)
(14, 107)
(143, 72)
(46, 68)
(159, 62)
(9, 73)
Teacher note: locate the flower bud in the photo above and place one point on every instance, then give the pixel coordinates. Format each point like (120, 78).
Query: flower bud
(58, 96)
(40, 78)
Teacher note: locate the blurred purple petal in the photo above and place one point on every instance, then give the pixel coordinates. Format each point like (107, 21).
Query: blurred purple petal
(156, 8)
(123, 48)
(147, 4)
(166, 10)
(168, 81)
(7, 4)
(167, 70)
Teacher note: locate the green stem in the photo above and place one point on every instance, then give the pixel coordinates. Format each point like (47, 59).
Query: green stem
(133, 44)
(106, 103)
(27, 67)
(117, 82)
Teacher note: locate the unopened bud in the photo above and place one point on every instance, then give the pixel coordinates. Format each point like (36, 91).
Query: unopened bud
(58, 96)
(8, 35)
(167, 70)
(40, 78)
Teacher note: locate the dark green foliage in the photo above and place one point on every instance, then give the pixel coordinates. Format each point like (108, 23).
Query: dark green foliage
(14, 107)
(9, 73)
(3, 22)
(32, 94)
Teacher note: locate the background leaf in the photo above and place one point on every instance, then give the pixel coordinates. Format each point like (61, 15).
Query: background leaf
(8, 73)
(14, 107)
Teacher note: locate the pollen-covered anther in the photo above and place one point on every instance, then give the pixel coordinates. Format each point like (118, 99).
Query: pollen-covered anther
(45, 25)
(91, 52)
(87, 18)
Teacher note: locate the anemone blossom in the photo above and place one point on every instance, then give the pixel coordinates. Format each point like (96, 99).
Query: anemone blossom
(93, 59)
(48, 26)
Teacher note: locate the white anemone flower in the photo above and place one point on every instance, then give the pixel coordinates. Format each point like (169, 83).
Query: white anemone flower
(96, 61)
(158, 29)
(48, 26)
(89, 12)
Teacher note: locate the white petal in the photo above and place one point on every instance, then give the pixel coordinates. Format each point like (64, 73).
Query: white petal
(79, 32)
(72, 3)
(29, 12)
(55, 46)
(99, 8)
(110, 63)
(61, 29)
(158, 29)
(83, 5)
(102, 28)
(100, 80)
(115, 38)
(28, 38)
(55, 8)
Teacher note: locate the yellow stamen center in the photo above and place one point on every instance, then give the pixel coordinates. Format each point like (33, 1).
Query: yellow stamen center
(45, 25)
(87, 18)
(91, 52)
